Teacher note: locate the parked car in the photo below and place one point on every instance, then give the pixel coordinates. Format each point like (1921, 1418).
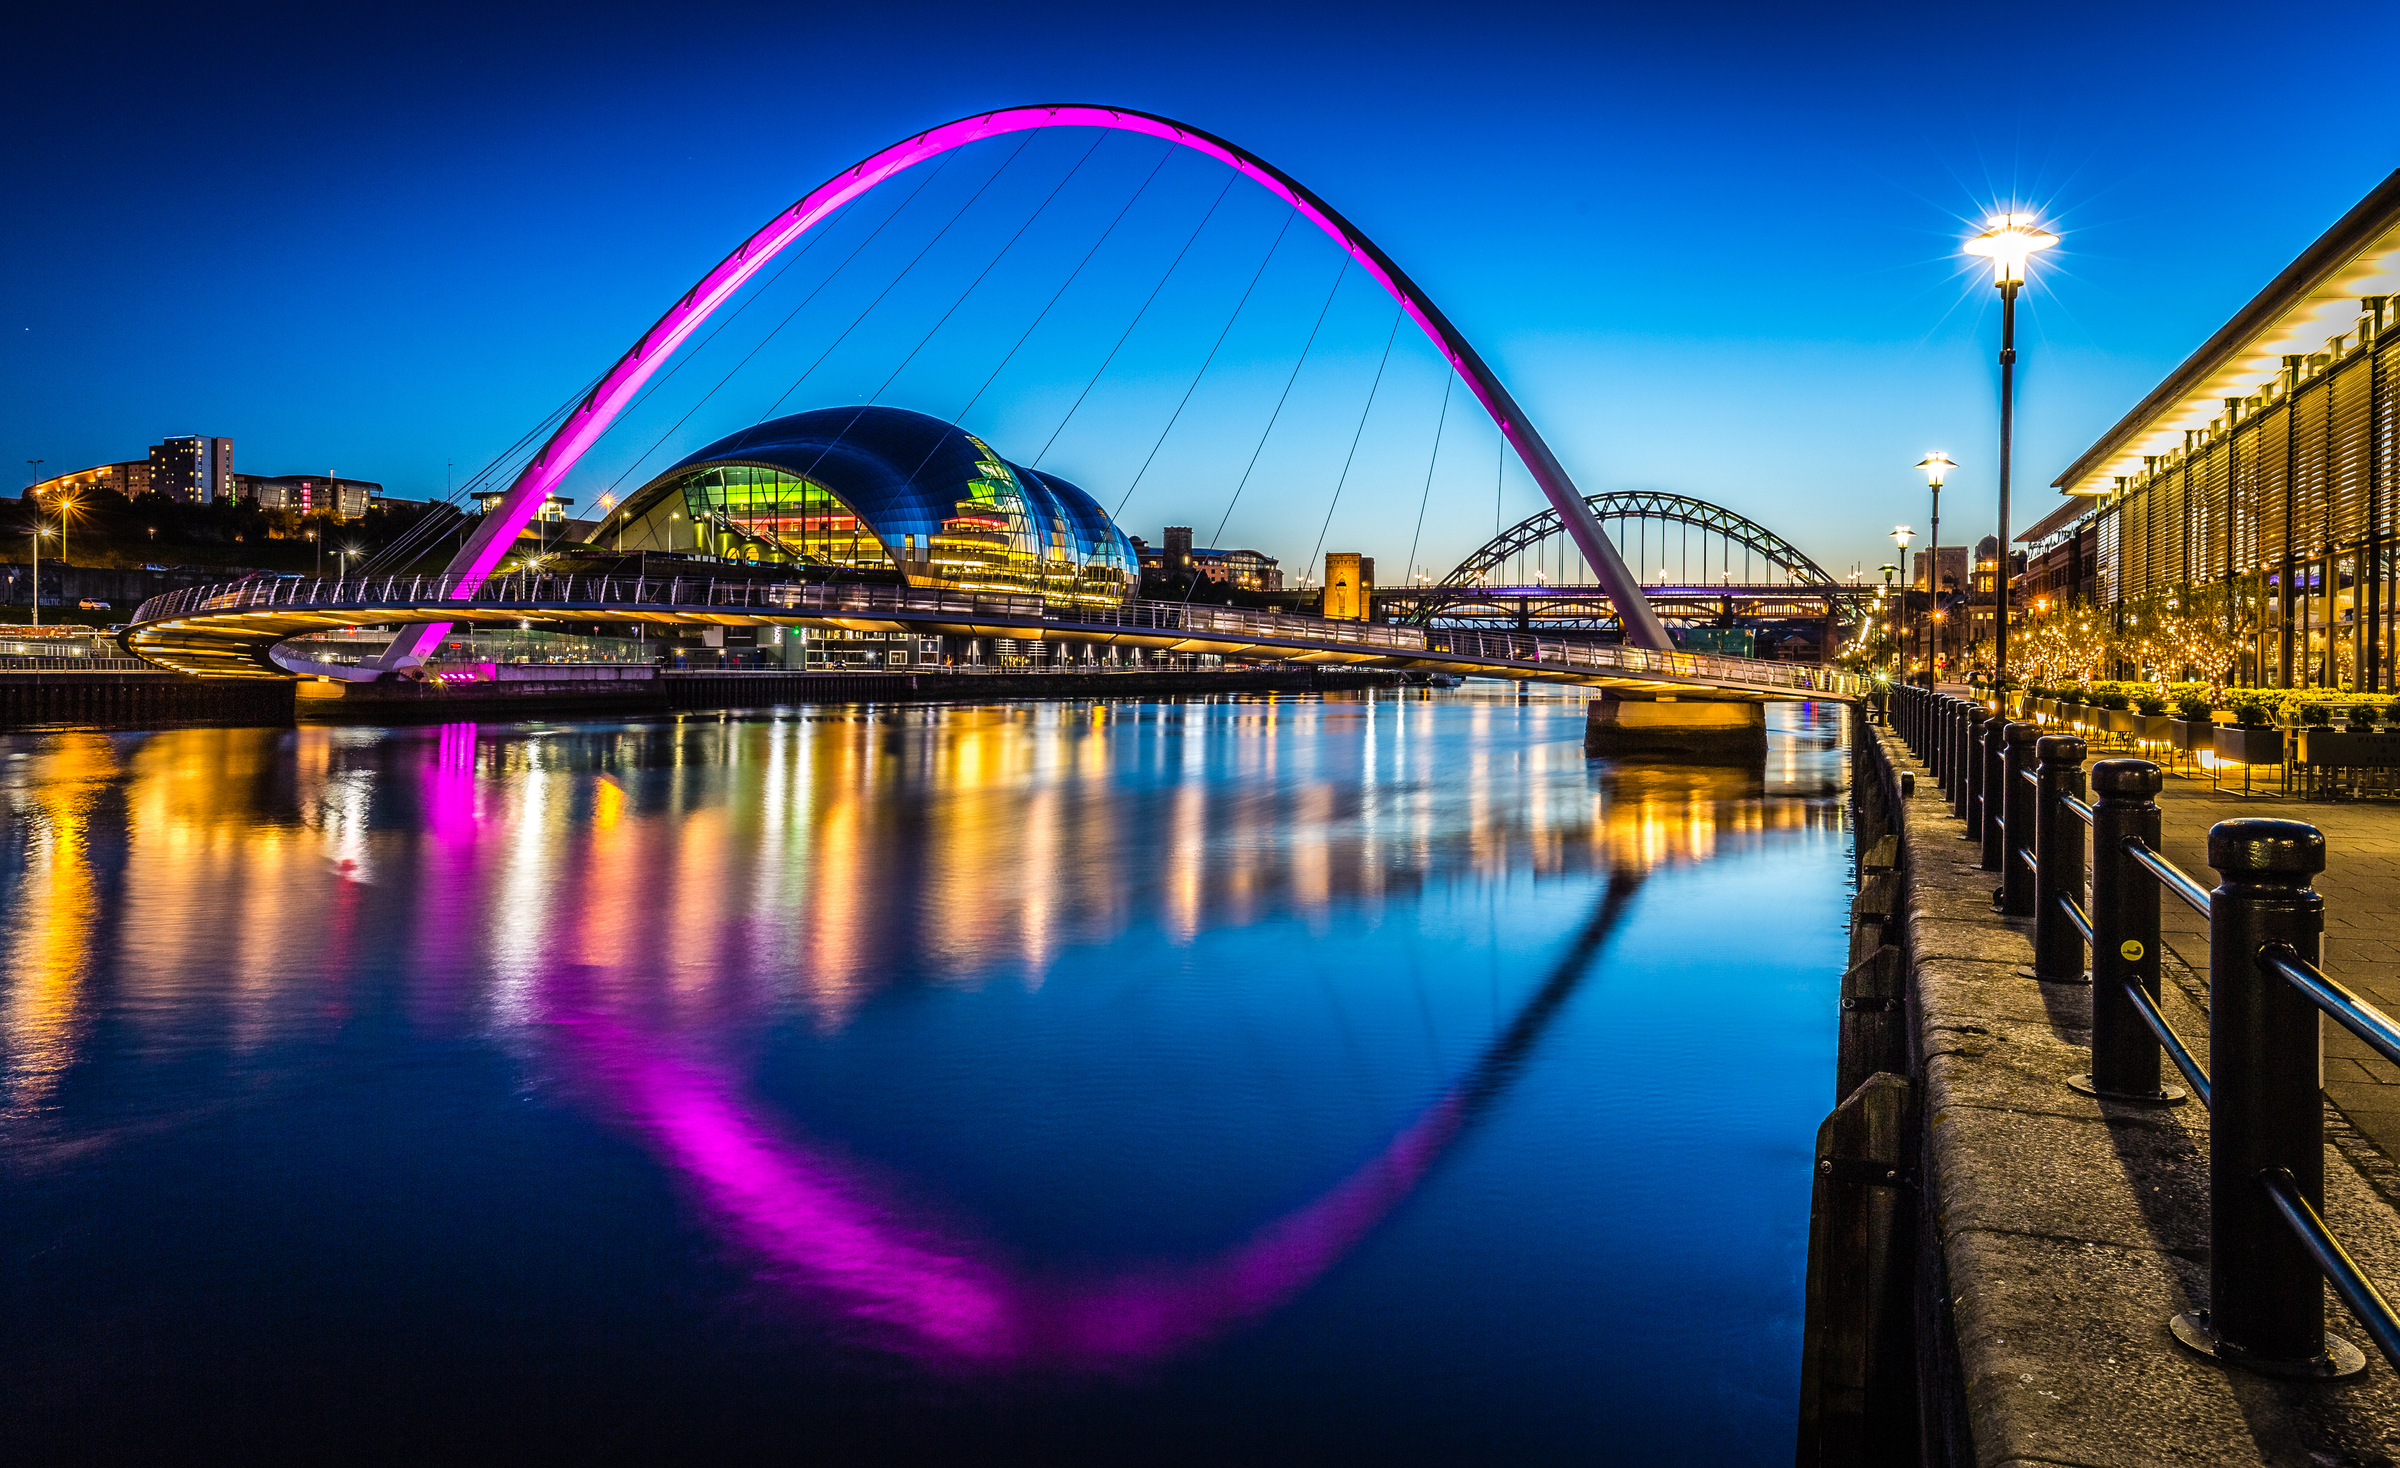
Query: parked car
(87, 604)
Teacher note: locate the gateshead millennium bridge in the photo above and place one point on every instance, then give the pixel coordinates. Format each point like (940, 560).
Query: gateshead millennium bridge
(235, 631)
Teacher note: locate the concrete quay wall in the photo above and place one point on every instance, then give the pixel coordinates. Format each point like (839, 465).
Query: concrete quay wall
(2061, 1233)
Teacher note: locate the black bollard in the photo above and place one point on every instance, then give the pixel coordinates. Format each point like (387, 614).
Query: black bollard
(1970, 782)
(2017, 800)
(2125, 900)
(2266, 1300)
(1991, 786)
(1937, 745)
(2058, 868)
(1959, 756)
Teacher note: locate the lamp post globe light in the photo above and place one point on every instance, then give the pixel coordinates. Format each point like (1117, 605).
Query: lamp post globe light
(1901, 536)
(2011, 240)
(1937, 466)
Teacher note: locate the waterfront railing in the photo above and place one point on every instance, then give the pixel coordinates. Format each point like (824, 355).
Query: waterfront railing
(597, 595)
(2269, 1243)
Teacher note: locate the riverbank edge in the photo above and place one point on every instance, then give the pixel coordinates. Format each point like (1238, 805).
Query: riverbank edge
(2061, 1232)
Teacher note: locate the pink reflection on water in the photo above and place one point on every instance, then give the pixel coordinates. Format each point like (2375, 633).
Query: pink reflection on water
(449, 786)
(951, 1299)
(936, 1294)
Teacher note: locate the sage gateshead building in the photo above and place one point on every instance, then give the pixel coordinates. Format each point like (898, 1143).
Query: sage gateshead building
(882, 494)
(2256, 483)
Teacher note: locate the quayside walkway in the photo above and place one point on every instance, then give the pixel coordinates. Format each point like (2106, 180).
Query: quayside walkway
(234, 631)
(2109, 1280)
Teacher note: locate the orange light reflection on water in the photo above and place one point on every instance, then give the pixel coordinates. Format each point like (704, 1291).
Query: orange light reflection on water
(778, 863)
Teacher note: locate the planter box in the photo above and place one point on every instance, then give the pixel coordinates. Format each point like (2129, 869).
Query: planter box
(2115, 721)
(2153, 728)
(2074, 713)
(2192, 735)
(2338, 748)
(2250, 744)
(2045, 708)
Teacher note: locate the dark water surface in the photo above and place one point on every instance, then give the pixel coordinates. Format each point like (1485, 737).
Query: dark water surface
(1354, 1081)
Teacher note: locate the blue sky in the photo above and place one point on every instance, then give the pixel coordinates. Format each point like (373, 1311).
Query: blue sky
(1711, 250)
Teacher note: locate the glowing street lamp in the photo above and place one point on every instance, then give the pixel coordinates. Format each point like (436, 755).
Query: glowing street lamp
(66, 505)
(1937, 466)
(39, 530)
(1901, 536)
(2012, 240)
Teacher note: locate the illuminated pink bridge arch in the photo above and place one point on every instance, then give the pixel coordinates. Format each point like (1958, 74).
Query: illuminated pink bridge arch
(498, 530)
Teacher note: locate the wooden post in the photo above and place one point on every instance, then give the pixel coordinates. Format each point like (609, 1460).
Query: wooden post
(1858, 1396)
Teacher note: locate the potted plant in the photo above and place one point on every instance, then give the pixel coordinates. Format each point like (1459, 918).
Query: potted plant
(2250, 739)
(2354, 747)
(2112, 713)
(2310, 719)
(2045, 703)
(2193, 728)
(2150, 719)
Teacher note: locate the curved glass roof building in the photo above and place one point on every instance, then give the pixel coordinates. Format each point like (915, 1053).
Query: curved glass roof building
(883, 491)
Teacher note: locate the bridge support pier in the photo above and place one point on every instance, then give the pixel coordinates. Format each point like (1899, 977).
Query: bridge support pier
(1676, 730)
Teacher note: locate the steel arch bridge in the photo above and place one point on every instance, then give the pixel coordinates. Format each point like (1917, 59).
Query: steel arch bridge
(225, 633)
(1796, 585)
(491, 540)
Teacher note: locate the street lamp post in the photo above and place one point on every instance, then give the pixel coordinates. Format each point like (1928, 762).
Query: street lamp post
(35, 501)
(2008, 244)
(1901, 535)
(39, 530)
(1937, 466)
(1883, 608)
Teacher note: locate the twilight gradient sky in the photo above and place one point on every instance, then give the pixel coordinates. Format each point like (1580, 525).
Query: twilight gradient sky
(1712, 249)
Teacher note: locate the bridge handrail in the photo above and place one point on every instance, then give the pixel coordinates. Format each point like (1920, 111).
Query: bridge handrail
(370, 594)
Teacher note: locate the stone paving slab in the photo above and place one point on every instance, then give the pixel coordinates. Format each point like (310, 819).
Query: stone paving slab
(2072, 1231)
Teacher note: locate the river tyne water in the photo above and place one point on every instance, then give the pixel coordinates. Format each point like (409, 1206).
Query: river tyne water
(1365, 1079)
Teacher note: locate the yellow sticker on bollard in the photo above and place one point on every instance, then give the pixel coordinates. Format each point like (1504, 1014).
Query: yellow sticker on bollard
(2131, 949)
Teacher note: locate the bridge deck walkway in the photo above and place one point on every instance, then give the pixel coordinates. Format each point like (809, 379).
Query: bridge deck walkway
(230, 631)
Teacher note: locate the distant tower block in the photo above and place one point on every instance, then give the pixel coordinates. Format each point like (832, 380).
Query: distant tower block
(1349, 585)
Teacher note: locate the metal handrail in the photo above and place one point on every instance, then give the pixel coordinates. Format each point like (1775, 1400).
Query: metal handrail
(423, 595)
(2330, 995)
(2077, 916)
(2169, 1041)
(2170, 876)
(2261, 937)
(2357, 1291)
